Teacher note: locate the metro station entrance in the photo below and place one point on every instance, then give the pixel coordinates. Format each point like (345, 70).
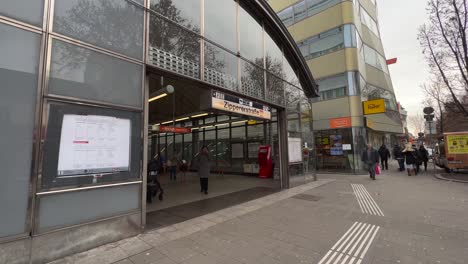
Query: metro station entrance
(184, 117)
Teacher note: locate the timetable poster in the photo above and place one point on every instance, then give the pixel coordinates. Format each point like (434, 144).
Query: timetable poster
(92, 144)
(336, 148)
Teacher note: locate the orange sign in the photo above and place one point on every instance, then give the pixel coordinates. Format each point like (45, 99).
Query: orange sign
(340, 122)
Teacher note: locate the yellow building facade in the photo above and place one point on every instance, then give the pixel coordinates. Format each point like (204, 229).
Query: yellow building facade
(341, 43)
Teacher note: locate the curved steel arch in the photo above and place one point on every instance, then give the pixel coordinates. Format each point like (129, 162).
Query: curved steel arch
(281, 35)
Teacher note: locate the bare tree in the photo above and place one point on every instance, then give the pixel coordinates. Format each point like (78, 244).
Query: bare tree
(416, 123)
(436, 98)
(445, 46)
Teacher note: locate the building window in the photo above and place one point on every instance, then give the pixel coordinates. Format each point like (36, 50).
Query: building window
(374, 59)
(304, 9)
(371, 92)
(367, 20)
(287, 16)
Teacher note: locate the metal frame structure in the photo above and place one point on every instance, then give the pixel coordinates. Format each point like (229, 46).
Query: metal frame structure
(271, 23)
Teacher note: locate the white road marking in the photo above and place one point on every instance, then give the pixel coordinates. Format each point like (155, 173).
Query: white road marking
(365, 201)
(360, 237)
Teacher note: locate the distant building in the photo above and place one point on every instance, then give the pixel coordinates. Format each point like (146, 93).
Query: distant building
(341, 43)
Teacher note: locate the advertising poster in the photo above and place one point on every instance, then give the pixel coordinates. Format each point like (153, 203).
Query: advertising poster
(92, 144)
(457, 144)
(336, 146)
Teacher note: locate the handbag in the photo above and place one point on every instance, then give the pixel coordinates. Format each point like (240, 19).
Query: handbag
(377, 169)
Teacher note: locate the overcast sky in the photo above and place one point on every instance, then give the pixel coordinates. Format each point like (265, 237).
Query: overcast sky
(399, 21)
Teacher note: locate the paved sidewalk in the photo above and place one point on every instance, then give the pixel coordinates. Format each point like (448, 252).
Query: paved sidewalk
(341, 219)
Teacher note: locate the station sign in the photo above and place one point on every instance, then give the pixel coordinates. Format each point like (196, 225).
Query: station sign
(234, 104)
(376, 106)
(171, 129)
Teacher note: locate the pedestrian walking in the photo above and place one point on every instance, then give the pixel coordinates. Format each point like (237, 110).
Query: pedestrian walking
(418, 157)
(203, 165)
(384, 155)
(370, 158)
(398, 155)
(173, 167)
(153, 184)
(424, 156)
(410, 159)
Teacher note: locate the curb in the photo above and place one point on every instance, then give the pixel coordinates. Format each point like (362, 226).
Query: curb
(440, 177)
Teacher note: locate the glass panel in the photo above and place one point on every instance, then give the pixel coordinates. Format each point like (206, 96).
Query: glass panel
(220, 22)
(224, 148)
(256, 132)
(367, 20)
(173, 48)
(287, 16)
(188, 145)
(275, 89)
(92, 125)
(330, 154)
(317, 6)
(23, 10)
(326, 42)
(253, 80)
(220, 67)
(184, 12)
(61, 210)
(289, 73)
(86, 74)
(115, 25)
(274, 56)
(373, 58)
(251, 38)
(293, 96)
(300, 11)
(19, 53)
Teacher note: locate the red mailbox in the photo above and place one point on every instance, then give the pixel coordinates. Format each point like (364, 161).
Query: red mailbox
(265, 162)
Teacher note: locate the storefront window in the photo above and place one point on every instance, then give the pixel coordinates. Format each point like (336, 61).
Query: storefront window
(334, 150)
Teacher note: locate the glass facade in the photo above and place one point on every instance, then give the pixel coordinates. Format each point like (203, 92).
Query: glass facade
(88, 64)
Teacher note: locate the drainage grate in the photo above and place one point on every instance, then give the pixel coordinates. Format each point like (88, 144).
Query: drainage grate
(307, 197)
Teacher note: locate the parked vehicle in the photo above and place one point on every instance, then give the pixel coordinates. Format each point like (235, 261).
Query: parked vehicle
(452, 152)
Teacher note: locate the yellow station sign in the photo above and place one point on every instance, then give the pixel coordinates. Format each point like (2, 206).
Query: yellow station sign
(374, 106)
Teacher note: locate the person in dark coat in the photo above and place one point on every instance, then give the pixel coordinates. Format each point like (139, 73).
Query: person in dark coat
(410, 159)
(418, 158)
(153, 184)
(384, 155)
(370, 158)
(398, 155)
(424, 156)
(203, 164)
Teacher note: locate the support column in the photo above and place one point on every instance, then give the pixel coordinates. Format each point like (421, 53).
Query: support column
(283, 148)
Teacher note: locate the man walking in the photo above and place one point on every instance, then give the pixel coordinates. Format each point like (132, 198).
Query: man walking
(384, 155)
(370, 157)
(398, 155)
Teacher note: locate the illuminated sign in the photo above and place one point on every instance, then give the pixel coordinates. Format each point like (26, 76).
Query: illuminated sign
(171, 129)
(342, 122)
(238, 105)
(374, 106)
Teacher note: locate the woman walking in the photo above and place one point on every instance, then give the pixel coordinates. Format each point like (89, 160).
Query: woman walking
(424, 156)
(410, 159)
(203, 163)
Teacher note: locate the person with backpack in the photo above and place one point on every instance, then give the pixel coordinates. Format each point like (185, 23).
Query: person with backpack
(384, 155)
(424, 156)
(410, 159)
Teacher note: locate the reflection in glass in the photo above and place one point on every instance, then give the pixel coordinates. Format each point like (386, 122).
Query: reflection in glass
(223, 148)
(112, 24)
(220, 22)
(83, 73)
(274, 56)
(293, 96)
(371, 92)
(253, 80)
(220, 67)
(289, 74)
(173, 48)
(24, 10)
(19, 53)
(274, 89)
(251, 38)
(183, 12)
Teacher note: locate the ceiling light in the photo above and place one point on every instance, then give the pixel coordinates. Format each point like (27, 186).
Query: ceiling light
(204, 114)
(223, 124)
(157, 97)
(181, 119)
(239, 122)
(206, 127)
(167, 122)
(195, 128)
